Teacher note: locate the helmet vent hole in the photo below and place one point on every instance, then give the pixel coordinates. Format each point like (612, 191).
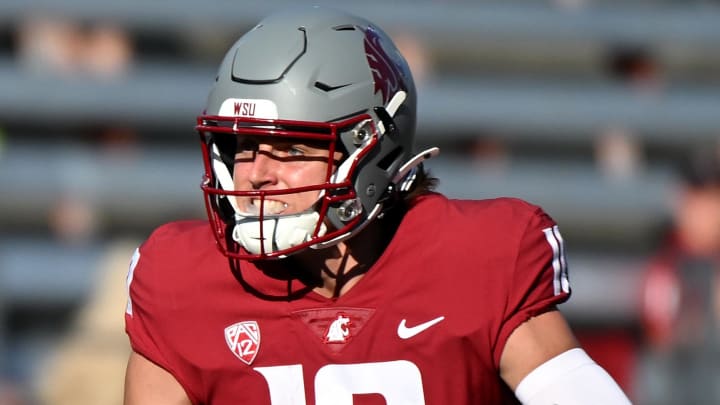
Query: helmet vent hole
(346, 27)
(390, 158)
(328, 88)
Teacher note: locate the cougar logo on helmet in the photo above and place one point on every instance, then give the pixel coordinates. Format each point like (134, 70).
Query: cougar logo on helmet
(387, 74)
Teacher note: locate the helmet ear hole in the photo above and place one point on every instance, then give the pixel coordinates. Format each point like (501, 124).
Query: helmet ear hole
(392, 157)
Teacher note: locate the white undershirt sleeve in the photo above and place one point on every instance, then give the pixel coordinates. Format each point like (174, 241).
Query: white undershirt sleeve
(570, 378)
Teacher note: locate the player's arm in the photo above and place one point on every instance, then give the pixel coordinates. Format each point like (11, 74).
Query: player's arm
(544, 365)
(148, 384)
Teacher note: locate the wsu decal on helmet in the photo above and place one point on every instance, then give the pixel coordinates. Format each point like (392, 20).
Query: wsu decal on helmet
(387, 74)
(243, 339)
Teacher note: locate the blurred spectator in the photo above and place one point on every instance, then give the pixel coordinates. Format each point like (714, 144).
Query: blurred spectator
(618, 154)
(47, 44)
(62, 47)
(416, 54)
(108, 50)
(89, 365)
(681, 296)
(618, 151)
(73, 219)
(637, 66)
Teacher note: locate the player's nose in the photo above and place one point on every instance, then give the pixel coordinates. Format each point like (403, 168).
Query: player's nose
(264, 167)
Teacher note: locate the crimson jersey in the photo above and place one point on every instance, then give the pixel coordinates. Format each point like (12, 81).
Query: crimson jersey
(426, 325)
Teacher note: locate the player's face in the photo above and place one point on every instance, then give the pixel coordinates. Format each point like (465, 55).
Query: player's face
(698, 220)
(267, 163)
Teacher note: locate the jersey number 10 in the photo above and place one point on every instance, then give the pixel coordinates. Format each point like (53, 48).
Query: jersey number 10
(399, 382)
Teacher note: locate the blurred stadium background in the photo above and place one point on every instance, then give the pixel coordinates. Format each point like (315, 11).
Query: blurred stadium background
(581, 106)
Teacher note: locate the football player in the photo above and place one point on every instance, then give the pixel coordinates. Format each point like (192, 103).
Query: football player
(330, 272)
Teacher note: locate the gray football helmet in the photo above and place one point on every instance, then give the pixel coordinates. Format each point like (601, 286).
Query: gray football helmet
(321, 75)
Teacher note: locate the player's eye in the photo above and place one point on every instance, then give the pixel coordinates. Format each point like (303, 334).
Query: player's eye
(287, 149)
(295, 150)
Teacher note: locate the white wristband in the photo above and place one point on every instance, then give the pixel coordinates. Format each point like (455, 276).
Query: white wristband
(570, 378)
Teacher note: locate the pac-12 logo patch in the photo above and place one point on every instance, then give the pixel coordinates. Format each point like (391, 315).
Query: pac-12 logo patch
(243, 339)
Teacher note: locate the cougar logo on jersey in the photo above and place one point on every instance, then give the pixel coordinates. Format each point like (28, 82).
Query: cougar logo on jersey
(336, 327)
(338, 331)
(243, 339)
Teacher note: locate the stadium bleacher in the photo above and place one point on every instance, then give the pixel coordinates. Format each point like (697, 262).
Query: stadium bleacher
(534, 81)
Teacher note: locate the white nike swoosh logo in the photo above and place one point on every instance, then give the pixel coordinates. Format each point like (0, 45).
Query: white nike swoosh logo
(406, 333)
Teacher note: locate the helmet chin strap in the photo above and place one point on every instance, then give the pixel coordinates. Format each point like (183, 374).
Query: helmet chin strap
(278, 232)
(334, 241)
